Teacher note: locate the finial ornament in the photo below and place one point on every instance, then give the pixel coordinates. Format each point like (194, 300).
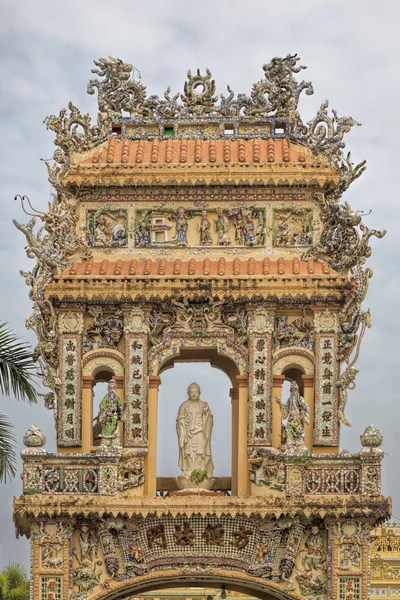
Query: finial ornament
(34, 439)
(371, 439)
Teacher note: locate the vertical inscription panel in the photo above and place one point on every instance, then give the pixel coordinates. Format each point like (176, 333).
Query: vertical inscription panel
(136, 380)
(326, 426)
(260, 378)
(70, 401)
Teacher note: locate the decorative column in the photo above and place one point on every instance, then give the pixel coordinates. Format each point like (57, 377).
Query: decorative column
(308, 394)
(234, 394)
(326, 418)
(69, 401)
(276, 411)
(87, 413)
(151, 462)
(242, 465)
(349, 565)
(51, 558)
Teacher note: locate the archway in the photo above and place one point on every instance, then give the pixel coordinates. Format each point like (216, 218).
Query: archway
(222, 354)
(215, 390)
(99, 367)
(215, 578)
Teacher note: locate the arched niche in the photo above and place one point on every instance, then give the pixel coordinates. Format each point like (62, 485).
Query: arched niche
(300, 359)
(225, 356)
(210, 355)
(236, 581)
(297, 364)
(103, 364)
(99, 367)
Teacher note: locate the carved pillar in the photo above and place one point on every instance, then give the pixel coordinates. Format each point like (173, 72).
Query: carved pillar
(87, 413)
(326, 419)
(276, 411)
(69, 402)
(242, 468)
(234, 394)
(51, 556)
(151, 462)
(308, 394)
(349, 568)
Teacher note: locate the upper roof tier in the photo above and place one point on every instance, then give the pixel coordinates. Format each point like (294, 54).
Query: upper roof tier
(267, 119)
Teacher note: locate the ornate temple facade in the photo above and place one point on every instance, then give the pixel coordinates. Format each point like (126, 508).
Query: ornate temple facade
(199, 227)
(385, 561)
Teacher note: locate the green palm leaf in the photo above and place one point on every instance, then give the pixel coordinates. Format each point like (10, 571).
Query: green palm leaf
(17, 367)
(7, 450)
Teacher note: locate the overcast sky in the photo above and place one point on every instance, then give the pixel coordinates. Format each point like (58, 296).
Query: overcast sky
(352, 53)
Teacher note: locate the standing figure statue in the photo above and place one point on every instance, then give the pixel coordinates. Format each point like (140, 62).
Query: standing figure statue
(181, 228)
(296, 412)
(194, 425)
(204, 228)
(106, 422)
(221, 227)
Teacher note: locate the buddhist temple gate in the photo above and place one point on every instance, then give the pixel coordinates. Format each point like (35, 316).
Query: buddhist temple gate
(194, 229)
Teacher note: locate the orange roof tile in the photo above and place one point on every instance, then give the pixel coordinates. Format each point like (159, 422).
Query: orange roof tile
(197, 268)
(181, 151)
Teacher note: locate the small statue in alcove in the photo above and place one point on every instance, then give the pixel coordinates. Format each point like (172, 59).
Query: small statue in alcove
(106, 422)
(295, 410)
(194, 425)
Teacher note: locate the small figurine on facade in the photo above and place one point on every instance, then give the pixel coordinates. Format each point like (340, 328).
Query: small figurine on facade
(181, 228)
(296, 412)
(204, 228)
(221, 227)
(106, 422)
(194, 425)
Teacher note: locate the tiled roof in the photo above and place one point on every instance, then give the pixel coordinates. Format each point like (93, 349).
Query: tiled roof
(181, 151)
(204, 267)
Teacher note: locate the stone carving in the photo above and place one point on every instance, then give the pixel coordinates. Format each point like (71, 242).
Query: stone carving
(293, 226)
(222, 227)
(181, 227)
(71, 322)
(299, 332)
(184, 535)
(105, 331)
(350, 556)
(198, 228)
(194, 425)
(51, 555)
(204, 228)
(106, 422)
(311, 577)
(86, 576)
(107, 227)
(131, 472)
(214, 534)
(295, 410)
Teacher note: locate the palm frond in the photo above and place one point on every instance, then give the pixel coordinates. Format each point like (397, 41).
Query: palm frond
(17, 366)
(7, 450)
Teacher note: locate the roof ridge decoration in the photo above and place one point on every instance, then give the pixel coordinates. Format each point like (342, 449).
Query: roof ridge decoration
(274, 97)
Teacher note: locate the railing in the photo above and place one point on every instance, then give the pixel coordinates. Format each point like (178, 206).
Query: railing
(269, 470)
